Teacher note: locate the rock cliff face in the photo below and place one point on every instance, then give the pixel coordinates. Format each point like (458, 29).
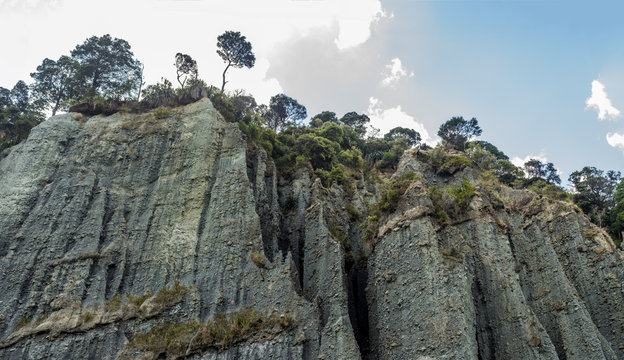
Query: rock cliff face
(110, 226)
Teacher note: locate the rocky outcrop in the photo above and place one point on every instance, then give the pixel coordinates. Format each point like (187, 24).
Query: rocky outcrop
(95, 207)
(517, 276)
(112, 225)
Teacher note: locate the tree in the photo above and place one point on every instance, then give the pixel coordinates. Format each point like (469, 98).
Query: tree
(107, 67)
(5, 97)
(235, 51)
(17, 114)
(159, 92)
(19, 96)
(186, 68)
(536, 170)
(326, 116)
(617, 214)
(595, 191)
(456, 132)
(331, 131)
(499, 155)
(551, 174)
(356, 121)
(55, 82)
(412, 136)
(283, 110)
(506, 172)
(243, 102)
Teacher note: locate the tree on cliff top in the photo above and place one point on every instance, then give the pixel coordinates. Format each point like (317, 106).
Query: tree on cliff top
(595, 191)
(186, 68)
(412, 136)
(55, 82)
(456, 132)
(235, 51)
(283, 110)
(107, 67)
(535, 169)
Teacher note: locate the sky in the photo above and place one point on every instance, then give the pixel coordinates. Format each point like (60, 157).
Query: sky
(545, 79)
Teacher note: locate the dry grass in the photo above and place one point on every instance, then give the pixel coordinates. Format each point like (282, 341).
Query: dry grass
(258, 259)
(177, 340)
(590, 232)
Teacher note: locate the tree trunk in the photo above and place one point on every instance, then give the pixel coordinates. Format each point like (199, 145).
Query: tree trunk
(224, 71)
(140, 83)
(56, 106)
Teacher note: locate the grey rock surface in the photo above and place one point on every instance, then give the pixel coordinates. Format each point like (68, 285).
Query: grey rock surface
(95, 208)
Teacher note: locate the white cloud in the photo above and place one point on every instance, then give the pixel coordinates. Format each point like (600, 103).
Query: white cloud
(192, 27)
(616, 140)
(255, 81)
(599, 101)
(26, 4)
(393, 72)
(518, 161)
(387, 119)
(355, 18)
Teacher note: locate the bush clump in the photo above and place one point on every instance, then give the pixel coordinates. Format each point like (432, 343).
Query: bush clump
(451, 202)
(162, 112)
(387, 203)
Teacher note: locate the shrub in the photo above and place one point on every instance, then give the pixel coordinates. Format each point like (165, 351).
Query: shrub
(336, 231)
(223, 105)
(162, 112)
(551, 191)
(387, 202)
(351, 158)
(438, 212)
(453, 164)
(331, 131)
(390, 195)
(353, 213)
(137, 300)
(87, 316)
(451, 202)
(463, 193)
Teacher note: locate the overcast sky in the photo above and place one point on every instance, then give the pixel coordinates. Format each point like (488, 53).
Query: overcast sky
(545, 79)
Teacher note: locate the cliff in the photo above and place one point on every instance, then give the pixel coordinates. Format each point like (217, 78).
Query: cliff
(113, 227)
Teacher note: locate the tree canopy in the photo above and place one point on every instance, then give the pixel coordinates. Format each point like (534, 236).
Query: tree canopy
(412, 136)
(18, 114)
(535, 169)
(235, 51)
(326, 116)
(186, 68)
(617, 213)
(55, 82)
(499, 155)
(456, 132)
(107, 67)
(284, 110)
(595, 191)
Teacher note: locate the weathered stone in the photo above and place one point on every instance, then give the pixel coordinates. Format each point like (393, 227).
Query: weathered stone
(96, 208)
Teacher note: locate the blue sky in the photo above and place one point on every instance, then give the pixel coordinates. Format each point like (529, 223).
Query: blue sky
(524, 69)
